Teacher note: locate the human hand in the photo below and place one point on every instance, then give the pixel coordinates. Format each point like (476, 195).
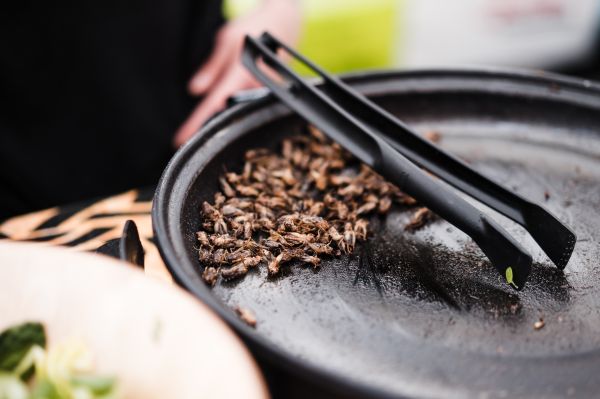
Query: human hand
(223, 74)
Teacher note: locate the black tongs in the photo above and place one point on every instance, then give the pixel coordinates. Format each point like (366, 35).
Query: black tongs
(391, 148)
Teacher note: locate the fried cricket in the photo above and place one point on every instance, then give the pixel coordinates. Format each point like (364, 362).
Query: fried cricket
(310, 201)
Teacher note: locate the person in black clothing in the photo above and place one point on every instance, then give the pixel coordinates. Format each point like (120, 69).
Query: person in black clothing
(95, 96)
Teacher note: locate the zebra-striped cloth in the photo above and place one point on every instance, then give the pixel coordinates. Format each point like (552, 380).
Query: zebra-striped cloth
(87, 226)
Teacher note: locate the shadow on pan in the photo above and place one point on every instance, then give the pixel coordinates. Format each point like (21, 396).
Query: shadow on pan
(420, 314)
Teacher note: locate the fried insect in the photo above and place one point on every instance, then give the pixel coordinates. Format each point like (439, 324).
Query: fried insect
(313, 260)
(247, 191)
(220, 227)
(226, 188)
(384, 205)
(222, 241)
(419, 219)
(367, 207)
(275, 264)
(203, 238)
(361, 229)
(335, 235)
(349, 241)
(320, 248)
(210, 275)
(241, 268)
(230, 210)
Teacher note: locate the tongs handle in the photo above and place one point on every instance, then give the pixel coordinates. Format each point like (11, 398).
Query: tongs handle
(507, 256)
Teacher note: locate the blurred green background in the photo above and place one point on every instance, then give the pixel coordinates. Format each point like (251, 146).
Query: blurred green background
(343, 35)
(348, 35)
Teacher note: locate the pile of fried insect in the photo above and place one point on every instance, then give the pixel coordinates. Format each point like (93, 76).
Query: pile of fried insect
(310, 200)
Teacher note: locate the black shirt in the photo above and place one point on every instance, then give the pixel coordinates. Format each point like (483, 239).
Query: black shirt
(91, 94)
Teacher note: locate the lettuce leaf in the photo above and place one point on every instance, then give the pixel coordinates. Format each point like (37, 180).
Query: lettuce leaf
(16, 342)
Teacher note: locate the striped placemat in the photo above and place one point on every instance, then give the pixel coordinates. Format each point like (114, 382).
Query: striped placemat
(87, 226)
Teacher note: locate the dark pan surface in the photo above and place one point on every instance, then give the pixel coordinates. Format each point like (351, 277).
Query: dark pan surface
(424, 314)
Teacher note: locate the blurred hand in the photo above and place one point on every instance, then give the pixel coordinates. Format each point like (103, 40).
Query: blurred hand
(223, 73)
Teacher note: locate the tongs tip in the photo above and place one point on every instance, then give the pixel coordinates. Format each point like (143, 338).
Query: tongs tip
(554, 237)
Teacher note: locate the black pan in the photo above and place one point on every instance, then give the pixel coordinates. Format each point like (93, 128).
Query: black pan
(422, 314)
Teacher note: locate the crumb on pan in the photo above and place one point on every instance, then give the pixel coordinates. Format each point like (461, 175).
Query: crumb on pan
(538, 325)
(246, 315)
(433, 136)
(419, 219)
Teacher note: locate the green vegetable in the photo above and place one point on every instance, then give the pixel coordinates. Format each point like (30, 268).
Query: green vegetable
(95, 384)
(44, 390)
(63, 372)
(509, 277)
(15, 344)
